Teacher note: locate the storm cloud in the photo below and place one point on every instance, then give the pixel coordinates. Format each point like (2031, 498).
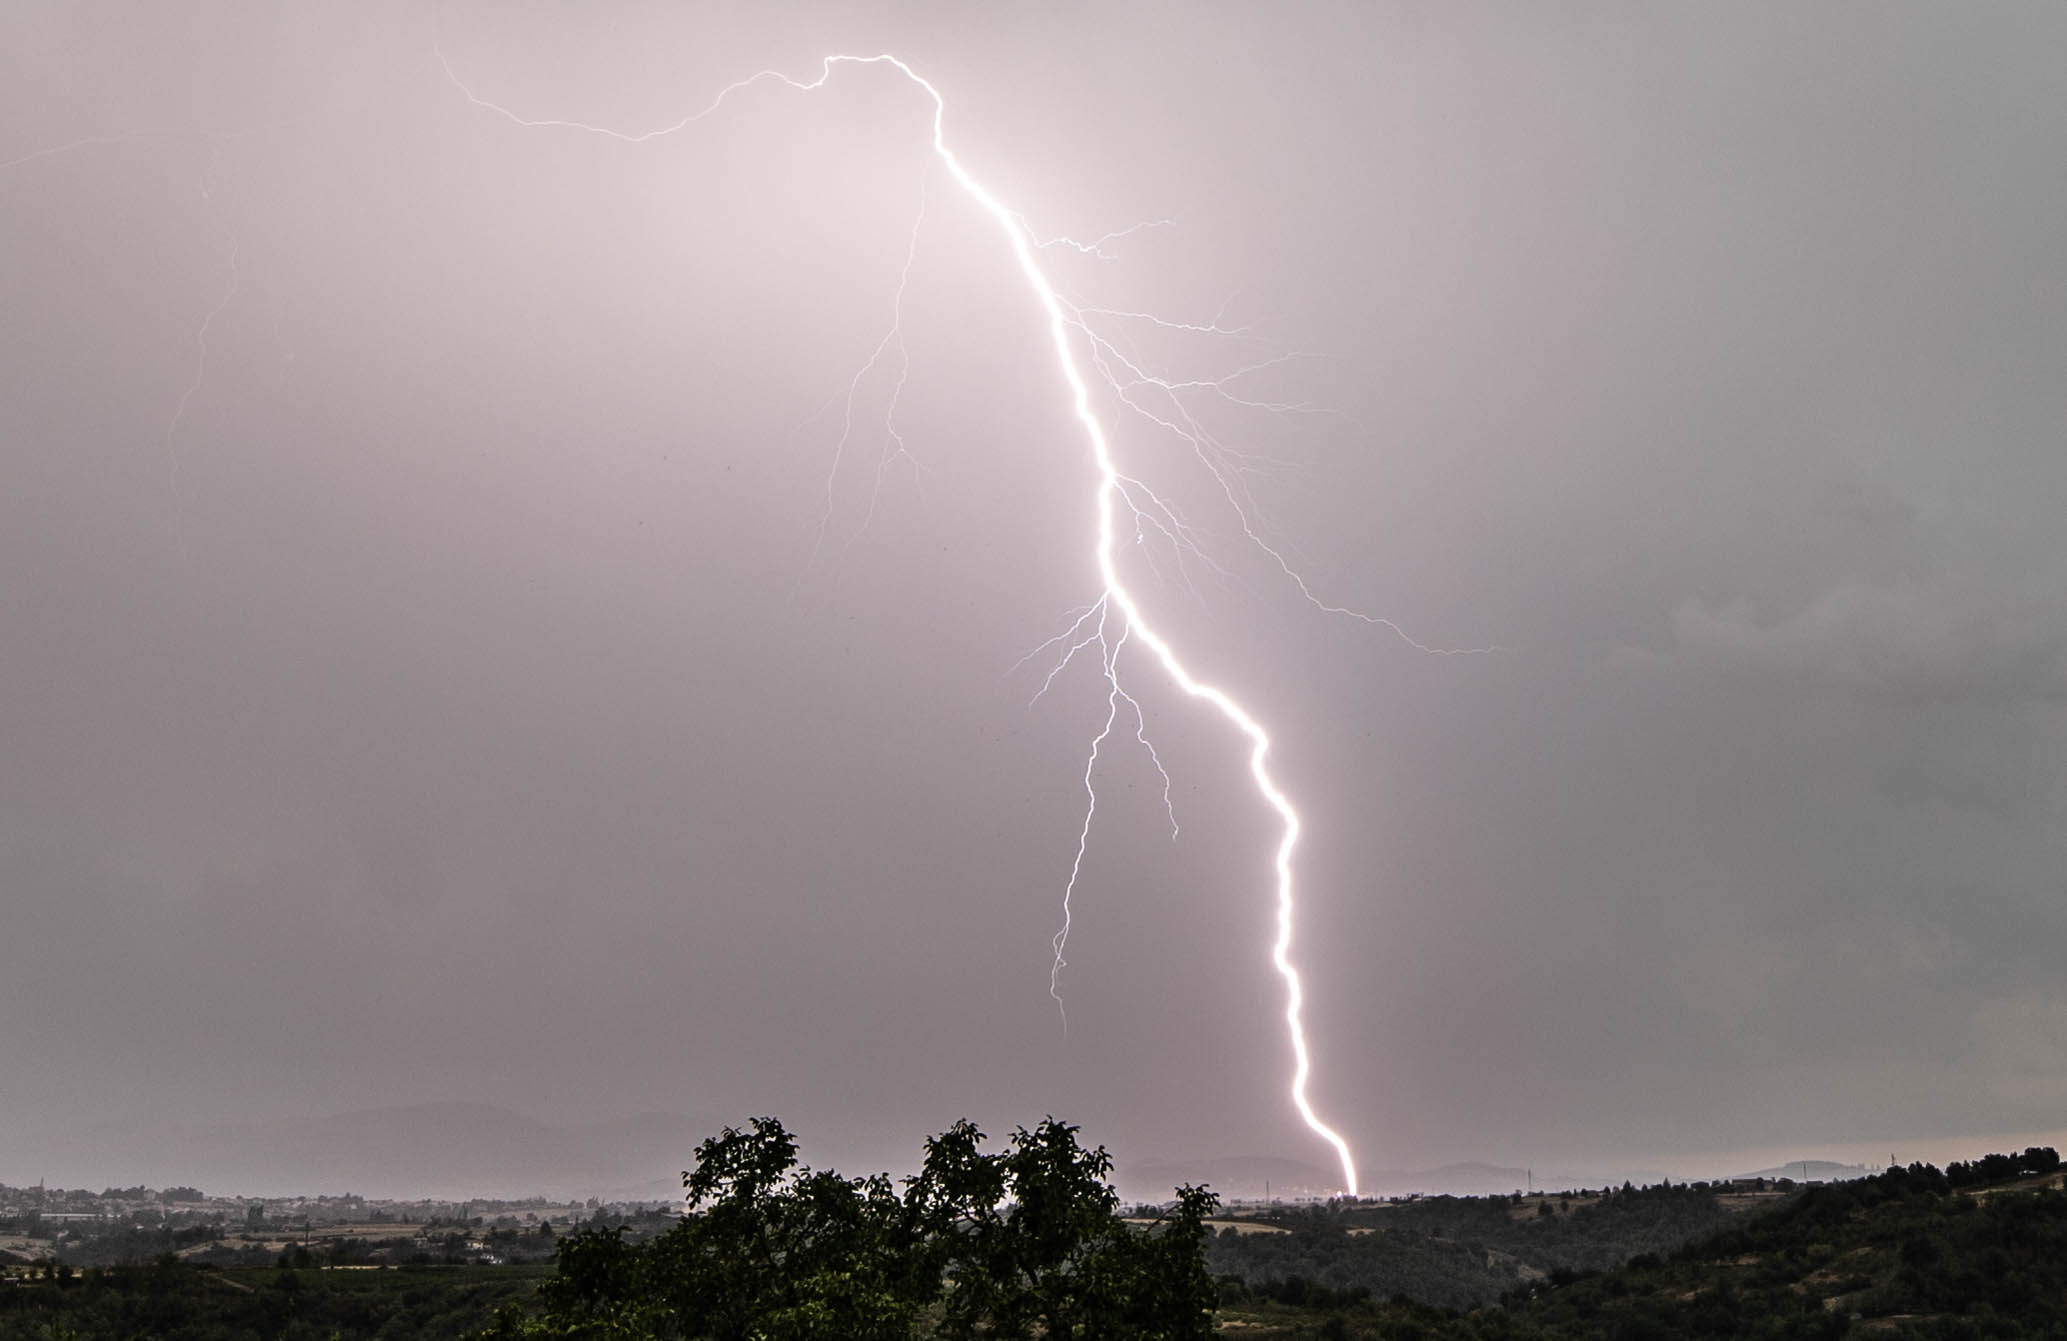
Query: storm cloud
(468, 636)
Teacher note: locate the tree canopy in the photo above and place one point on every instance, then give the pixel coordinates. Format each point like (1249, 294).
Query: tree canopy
(1017, 1243)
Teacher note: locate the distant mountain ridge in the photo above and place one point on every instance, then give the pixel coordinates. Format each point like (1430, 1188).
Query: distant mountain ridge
(449, 1151)
(459, 1150)
(1252, 1177)
(1813, 1171)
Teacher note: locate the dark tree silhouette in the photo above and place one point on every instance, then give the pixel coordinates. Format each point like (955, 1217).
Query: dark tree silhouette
(1021, 1243)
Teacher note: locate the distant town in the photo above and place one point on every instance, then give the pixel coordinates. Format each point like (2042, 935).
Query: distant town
(81, 1227)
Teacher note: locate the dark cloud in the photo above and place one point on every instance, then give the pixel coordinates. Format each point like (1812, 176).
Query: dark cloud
(1906, 641)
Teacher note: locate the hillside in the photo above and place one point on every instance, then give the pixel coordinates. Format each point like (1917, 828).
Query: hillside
(1977, 1250)
(1460, 1252)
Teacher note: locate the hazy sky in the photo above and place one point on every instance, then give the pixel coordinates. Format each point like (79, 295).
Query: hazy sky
(447, 652)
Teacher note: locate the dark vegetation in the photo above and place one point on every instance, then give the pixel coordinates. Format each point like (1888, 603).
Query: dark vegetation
(1459, 1252)
(173, 1299)
(1976, 1251)
(1027, 1242)
(128, 1226)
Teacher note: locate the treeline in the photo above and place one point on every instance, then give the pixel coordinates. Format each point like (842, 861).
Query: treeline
(1022, 1242)
(124, 1243)
(2036, 1160)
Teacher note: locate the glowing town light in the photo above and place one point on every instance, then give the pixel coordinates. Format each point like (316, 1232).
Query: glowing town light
(1110, 495)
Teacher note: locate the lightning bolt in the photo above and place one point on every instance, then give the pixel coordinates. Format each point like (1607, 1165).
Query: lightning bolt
(892, 342)
(179, 413)
(1109, 646)
(206, 187)
(229, 295)
(1117, 618)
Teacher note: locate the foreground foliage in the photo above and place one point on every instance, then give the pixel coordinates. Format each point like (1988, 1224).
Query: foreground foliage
(1021, 1243)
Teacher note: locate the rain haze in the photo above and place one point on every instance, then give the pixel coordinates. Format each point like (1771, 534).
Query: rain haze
(529, 628)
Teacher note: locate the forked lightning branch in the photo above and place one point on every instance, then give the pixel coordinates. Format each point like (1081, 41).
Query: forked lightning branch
(1115, 623)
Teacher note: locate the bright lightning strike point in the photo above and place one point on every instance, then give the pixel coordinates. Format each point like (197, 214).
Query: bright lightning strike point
(1111, 494)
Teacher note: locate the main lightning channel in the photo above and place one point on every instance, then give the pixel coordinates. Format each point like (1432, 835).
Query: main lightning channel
(1137, 625)
(1117, 597)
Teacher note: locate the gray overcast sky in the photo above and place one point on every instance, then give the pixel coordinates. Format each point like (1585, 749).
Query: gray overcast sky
(445, 652)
